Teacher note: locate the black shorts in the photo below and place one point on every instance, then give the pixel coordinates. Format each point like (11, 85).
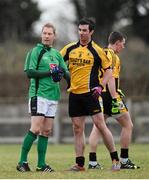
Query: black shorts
(83, 105)
(107, 104)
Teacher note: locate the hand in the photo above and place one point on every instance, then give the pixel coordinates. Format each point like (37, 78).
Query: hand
(57, 74)
(121, 93)
(115, 107)
(97, 92)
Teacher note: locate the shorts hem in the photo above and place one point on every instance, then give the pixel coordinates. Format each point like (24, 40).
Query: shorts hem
(37, 114)
(52, 117)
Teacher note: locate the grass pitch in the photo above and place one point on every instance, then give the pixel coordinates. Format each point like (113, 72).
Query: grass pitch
(61, 157)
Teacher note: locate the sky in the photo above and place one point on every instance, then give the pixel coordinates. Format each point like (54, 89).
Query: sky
(59, 12)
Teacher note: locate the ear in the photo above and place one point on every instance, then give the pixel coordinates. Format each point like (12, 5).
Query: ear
(91, 32)
(117, 42)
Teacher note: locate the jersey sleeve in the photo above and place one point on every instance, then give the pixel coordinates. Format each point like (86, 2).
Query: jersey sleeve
(64, 52)
(62, 63)
(116, 68)
(115, 63)
(106, 61)
(31, 60)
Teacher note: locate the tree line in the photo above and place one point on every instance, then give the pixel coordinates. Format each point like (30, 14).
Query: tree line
(18, 16)
(108, 13)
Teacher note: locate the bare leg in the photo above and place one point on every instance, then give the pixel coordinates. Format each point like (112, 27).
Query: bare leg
(126, 133)
(94, 139)
(79, 138)
(105, 132)
(36, 124)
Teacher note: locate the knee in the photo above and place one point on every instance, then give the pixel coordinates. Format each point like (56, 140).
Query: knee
(35, 130)
(77, 129)
(47, 132)
(130, 125)
(128, 128)
(100, 126)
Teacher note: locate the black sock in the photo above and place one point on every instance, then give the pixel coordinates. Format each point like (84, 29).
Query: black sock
(124, 153)
(80, 161)
(114, 156)
(92, 156)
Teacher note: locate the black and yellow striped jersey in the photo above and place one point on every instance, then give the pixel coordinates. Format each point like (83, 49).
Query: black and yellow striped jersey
(84, 63)
(115, 64)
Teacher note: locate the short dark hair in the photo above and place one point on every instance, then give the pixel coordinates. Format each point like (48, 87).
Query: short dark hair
(115, 36)
(88, 21)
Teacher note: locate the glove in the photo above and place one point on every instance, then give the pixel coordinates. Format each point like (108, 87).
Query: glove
(115, 107)
(57, 73)
(121, 93)
(97, 92)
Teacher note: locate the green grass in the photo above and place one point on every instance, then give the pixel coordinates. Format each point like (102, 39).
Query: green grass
(61, 157)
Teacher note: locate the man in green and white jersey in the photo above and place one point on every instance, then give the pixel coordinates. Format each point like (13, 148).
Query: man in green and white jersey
(45, 67)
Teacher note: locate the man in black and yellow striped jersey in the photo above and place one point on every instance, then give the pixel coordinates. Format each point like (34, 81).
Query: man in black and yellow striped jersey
(85, 59)
(114, 106)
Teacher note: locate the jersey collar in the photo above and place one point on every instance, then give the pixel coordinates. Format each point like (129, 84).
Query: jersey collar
(89, 44)
(44, 46)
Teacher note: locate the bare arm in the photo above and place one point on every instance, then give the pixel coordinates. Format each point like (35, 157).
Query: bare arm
(106, 76)
(111, 87)
(110, 81)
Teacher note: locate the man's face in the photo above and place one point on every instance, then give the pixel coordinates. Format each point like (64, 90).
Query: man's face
(84, 32)
(47, 36)
(119, 45)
